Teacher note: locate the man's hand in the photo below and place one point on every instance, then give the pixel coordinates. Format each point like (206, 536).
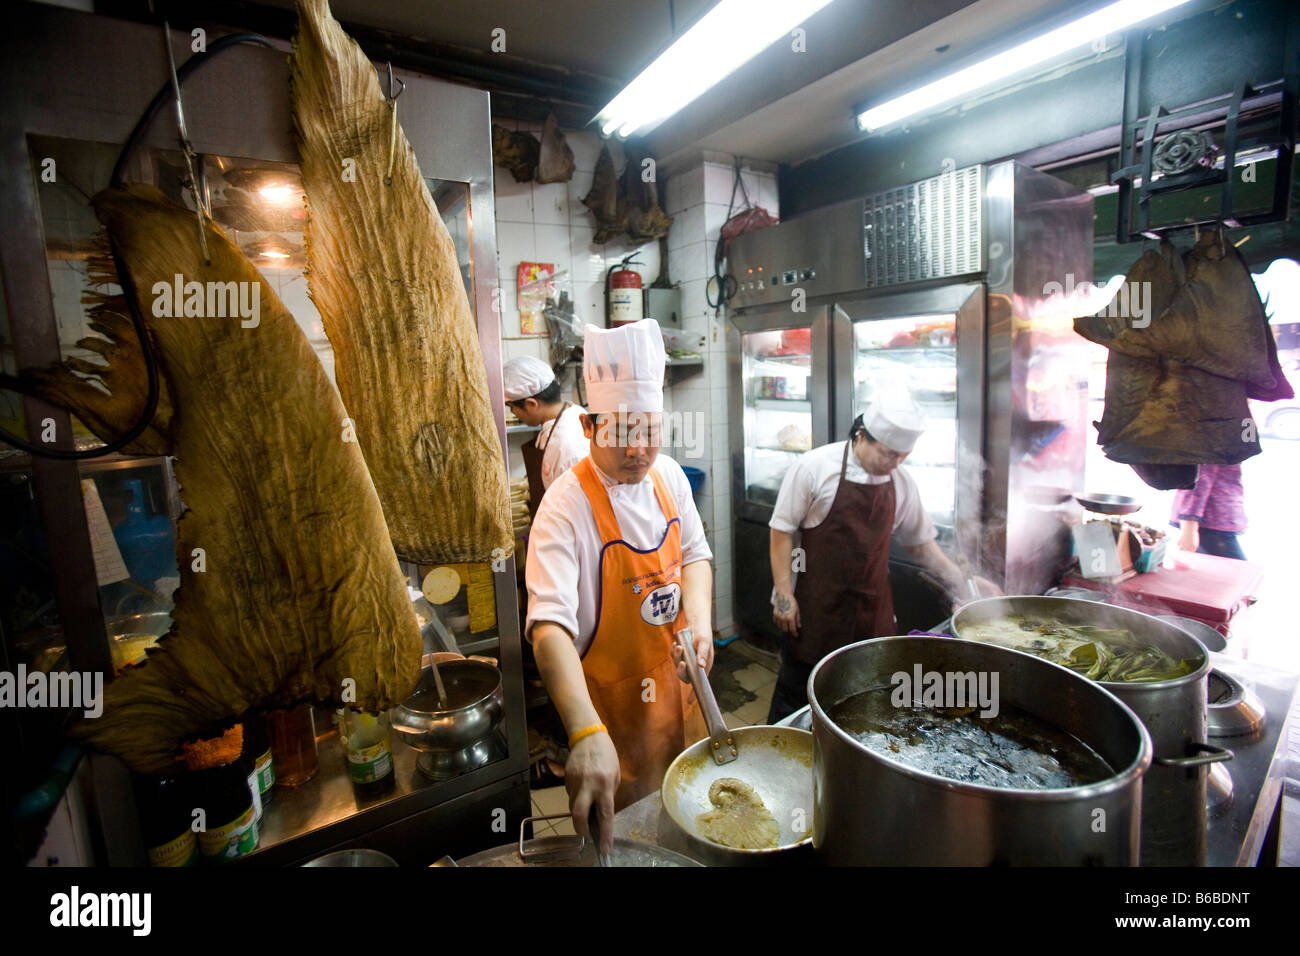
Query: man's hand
(703, 656)
(591, 776)
(785, 611)
(987, 588)
(1190, 539)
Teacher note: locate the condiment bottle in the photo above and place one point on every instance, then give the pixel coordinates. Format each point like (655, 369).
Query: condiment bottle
(165, 805)
(293, 744)
(367, 749)
(229, 829)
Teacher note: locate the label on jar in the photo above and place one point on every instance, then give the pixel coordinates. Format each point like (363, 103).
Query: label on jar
(370, 763)
(265, 772)
(183, 851)
(256, 794)
(234, 839)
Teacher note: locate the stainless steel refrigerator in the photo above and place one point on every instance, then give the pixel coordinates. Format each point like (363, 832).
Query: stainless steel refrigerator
(959, 289)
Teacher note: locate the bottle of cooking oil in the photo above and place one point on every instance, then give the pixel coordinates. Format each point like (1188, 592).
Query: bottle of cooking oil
(368, 750)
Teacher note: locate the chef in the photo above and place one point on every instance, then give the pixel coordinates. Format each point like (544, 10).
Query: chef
(617, 564)
(839, 505)
(533, 393)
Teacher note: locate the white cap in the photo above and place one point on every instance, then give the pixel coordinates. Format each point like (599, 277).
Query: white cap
(624, 368)
(895, 421)
(524, 377)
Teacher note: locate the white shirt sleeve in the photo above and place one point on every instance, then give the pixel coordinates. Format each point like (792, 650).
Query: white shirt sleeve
(566, 445)
(695, 546)
(912, 526)
(794, 499)
(552, 570)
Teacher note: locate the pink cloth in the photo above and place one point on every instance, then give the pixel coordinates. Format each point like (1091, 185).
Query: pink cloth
(1216, 501)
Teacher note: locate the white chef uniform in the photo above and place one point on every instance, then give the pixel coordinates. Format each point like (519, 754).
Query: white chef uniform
(563, 442)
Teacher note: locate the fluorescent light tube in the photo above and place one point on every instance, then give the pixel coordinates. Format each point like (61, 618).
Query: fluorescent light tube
(1110, 19)
(729, 35)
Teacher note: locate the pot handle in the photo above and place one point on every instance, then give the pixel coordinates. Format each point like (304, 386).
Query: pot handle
(1204, 754)
(569, 849)
(722, 743)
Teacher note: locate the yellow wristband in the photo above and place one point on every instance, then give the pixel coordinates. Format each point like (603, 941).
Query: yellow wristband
(586, 732)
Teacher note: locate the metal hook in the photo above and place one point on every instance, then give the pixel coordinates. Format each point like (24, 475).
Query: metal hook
(391, 96)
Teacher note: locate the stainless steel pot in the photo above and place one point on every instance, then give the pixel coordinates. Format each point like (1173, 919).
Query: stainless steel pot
(1174, 821)
(872, 810)
(474, 707)
(569, 851)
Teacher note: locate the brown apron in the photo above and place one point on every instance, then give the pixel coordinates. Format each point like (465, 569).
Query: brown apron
(533, 455)
(843, 592)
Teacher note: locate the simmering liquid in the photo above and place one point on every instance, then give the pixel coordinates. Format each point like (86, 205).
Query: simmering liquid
(1014, 750)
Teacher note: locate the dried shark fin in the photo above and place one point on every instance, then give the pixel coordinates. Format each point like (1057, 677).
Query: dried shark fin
(605, 201)
(516, 151)
(556, 162)
(108, 397)
(299, 589)
(384, 274)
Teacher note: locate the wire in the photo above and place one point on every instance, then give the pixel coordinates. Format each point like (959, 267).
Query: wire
(727, 286)
(161, 98)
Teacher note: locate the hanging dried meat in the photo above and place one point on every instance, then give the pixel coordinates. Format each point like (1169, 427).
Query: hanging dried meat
(646, 220)
(516, 151)
(556, 162)
(298, 589)
(1177, 381)
(605, 201)
(383, 272)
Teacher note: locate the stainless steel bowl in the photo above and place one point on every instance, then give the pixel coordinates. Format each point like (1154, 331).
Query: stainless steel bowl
(475, 702)
(349, 858)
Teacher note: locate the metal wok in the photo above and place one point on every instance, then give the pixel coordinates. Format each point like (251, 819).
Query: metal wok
(775, 761)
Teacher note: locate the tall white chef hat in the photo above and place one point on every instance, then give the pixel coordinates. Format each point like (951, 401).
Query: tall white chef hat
(624, 367)
(524, 377)
(894, 420)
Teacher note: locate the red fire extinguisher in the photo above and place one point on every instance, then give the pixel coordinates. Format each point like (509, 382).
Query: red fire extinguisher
(623, 302)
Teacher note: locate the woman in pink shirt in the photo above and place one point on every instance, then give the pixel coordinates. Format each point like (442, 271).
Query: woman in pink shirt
(1212, 514)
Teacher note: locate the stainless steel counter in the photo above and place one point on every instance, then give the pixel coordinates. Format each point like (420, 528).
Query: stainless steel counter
(1238, 833)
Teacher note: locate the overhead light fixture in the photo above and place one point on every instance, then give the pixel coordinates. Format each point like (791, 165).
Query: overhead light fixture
(279, 193)
(1109, 19)
(729, 35)
(274, 254)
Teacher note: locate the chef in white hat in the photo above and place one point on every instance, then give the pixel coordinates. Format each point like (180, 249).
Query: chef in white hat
(617, 564)
(534, 395)
(839, 506)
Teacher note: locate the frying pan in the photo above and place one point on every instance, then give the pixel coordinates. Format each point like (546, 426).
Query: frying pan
(775, 761)
(1109, 504)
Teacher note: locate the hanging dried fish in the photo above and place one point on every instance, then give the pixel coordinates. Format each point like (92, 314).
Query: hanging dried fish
(289, 583)
(605, 201)
(556, 163)
(646, 220)
(516, 151)
(384, 274)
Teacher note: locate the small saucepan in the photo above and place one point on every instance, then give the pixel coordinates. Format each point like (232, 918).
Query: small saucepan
(775, 761)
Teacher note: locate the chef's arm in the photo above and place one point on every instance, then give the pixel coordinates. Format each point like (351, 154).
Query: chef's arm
(780, 554)
(931, 556)
(697, 604)
(591, 776)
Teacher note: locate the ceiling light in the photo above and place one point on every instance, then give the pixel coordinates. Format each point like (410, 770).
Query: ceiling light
(1109, 19)
(274, 254)
(729, 35)
(278, 193)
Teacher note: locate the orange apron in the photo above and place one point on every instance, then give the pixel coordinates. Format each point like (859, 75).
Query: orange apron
(629, 667)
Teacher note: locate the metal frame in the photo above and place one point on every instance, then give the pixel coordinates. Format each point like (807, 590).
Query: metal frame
(109, 69)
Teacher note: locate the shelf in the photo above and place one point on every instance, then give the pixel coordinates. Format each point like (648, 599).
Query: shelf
(908, 350)
(522, 429)
(782, 404)
(788, 451)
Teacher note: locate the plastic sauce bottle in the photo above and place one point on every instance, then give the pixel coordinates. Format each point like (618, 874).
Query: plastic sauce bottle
(367, 750)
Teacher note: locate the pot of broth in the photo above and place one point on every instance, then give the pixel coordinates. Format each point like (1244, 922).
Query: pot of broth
(1156, 668)
(933, 752)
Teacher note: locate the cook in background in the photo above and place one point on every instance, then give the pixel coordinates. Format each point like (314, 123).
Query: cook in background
(1212, 514)
(617, 563)
(841, 503)
(533, 393)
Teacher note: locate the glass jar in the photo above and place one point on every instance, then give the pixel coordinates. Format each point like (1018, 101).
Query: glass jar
(293, 744)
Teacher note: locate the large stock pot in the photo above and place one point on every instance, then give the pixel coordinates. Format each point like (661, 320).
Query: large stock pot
(1174, 816)
(873, 810)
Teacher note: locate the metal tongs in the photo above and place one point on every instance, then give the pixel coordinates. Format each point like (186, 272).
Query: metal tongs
(722, 741)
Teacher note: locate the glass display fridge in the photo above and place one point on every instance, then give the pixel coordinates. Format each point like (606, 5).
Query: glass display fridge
(942, 289)
(91, 544)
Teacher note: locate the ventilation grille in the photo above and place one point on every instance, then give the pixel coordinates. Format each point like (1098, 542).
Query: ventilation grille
(927, 230)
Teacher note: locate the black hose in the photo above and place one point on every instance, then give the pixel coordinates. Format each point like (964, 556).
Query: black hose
(161, 98)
